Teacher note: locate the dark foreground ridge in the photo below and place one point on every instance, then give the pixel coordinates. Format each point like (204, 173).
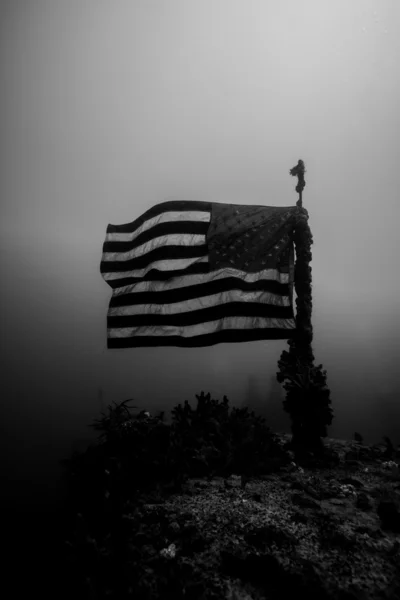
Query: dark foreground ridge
(215, 506)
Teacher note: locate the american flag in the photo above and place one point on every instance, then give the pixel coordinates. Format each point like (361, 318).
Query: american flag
(191, 273)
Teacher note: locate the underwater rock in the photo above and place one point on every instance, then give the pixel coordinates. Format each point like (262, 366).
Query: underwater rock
(352, 481)
(389, 514)
(303, 501)
(363, 502)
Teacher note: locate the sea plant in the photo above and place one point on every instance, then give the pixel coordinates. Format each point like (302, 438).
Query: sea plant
(307, 401)
(389, 452)
(138, 457)
(358, 437)
(226, 441)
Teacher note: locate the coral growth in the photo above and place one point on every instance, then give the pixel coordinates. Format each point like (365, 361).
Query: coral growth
(217, 506)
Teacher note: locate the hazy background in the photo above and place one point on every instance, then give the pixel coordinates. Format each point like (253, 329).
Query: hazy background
(108, 107)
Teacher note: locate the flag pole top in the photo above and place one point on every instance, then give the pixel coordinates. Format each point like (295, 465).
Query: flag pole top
(299, 171)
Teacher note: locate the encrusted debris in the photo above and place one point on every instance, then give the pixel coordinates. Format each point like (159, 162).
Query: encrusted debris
(332, 532)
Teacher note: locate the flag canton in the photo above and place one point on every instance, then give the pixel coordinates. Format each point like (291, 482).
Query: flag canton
(250, 238)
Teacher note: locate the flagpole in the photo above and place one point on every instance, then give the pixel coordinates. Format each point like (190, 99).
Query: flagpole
(307, 395)
(302, 272)
(299, 170)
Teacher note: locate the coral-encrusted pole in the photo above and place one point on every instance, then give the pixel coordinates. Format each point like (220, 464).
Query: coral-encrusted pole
(302, 273)
(307, 398)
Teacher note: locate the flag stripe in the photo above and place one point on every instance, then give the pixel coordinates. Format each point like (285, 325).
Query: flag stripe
(197, 303)
(166, 291)
(201, 334)
(209, 339)
(159, 271)
(181, 206)
(268, 277)
(233, 322)
(163, 241)
(207, 313)
(174, 251)
(193, 266)
(159, 225)
(179, 293)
